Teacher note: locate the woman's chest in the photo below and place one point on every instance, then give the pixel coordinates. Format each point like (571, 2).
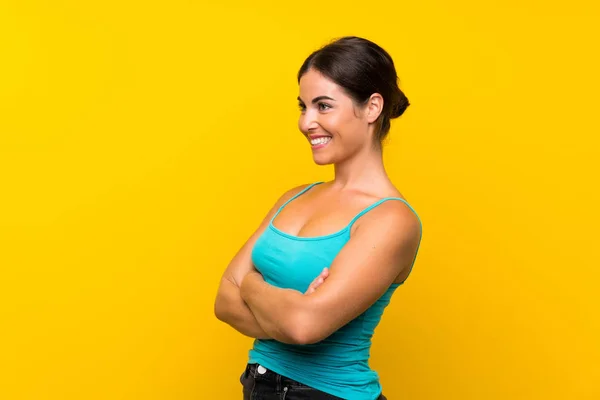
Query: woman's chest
(293, 263)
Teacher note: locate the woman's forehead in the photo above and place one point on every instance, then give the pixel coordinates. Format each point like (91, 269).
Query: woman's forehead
(313, 84)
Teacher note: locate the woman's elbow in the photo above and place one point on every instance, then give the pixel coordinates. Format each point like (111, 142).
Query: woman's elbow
(227, 296)
(303, 330)
(219, 310)
(222, 307)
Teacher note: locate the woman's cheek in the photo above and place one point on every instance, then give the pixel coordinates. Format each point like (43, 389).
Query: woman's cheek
(332, 124)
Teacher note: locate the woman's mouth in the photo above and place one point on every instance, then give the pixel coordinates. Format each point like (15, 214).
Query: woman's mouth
(319, 142)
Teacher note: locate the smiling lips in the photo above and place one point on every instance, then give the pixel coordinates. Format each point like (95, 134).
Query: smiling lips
(319, 142)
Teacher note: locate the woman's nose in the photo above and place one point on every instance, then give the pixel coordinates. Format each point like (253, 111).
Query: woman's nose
(308, 122)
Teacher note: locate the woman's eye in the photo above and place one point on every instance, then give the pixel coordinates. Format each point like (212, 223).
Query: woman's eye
(302, 107)
(324, 106)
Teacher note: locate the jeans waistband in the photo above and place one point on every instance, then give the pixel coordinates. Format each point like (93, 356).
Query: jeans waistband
(260, 372)
(279, 382)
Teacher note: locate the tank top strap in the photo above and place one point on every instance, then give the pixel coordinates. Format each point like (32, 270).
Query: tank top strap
(378, 202)
(293, 197)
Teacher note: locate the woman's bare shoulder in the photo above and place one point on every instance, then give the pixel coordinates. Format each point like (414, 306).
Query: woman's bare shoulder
(398, 211)
(288, 194)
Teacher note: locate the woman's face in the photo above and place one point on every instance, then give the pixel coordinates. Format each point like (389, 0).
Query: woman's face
(336, 129)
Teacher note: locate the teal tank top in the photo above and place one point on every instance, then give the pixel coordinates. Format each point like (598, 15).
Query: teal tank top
(339, 364)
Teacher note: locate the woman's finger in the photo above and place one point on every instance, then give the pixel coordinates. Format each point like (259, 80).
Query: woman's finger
(318, 281)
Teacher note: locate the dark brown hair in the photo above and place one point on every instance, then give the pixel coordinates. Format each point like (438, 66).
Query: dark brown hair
(361, 68)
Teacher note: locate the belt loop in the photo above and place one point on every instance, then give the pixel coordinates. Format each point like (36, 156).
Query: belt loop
(278, 380)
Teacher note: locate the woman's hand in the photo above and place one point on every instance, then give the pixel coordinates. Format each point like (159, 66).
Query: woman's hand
(318, 281)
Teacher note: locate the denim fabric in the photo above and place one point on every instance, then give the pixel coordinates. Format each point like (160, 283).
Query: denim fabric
(273, 386)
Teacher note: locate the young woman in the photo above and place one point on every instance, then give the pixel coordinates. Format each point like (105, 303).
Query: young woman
(312, 282)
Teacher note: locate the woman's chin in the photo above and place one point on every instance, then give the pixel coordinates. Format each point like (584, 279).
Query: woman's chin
(322, 160)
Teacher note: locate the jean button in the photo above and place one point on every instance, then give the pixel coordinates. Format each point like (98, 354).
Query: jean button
(261, 370)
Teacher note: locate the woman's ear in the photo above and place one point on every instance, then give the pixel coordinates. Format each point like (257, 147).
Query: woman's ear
(374, 107)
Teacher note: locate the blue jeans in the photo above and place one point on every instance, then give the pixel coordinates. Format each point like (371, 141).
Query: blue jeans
(272, 386)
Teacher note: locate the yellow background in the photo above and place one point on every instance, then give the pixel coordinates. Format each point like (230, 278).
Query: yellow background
(142, 142)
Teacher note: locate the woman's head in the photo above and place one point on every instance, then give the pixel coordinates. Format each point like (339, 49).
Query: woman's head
(360, 85)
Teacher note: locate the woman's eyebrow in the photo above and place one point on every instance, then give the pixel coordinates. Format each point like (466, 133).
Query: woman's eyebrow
(316, 99)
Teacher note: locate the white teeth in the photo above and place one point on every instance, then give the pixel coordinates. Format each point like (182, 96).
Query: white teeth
(320, 140)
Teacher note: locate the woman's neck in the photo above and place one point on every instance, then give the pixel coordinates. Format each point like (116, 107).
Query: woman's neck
(363, 171)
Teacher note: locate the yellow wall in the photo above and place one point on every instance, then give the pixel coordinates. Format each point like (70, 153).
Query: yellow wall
(142, 142)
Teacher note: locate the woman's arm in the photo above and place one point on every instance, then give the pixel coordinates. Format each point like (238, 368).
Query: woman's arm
(382, 245)
(229, 306)
(241, 317)
(231, 309)
(272, 307)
